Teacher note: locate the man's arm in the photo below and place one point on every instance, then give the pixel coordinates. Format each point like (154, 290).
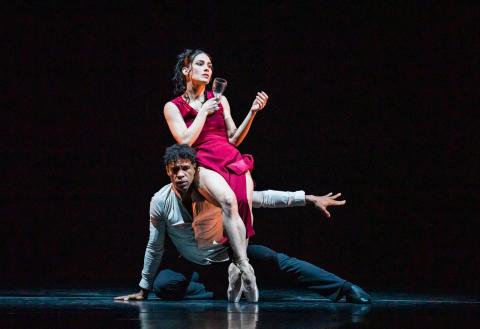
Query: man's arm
(153, 252)
(152, 259)
(280, 199)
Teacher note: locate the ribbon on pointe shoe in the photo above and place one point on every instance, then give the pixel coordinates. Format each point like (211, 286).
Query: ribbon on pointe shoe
(249, 281)
(235, 287)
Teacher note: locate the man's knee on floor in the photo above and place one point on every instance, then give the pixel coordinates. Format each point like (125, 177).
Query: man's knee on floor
(170, 291)
(170, 288)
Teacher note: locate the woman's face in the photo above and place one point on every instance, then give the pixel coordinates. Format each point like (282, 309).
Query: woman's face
(200, 70)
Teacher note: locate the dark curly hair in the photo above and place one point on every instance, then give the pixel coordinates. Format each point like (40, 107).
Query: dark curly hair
(185, 59)
(179, 151)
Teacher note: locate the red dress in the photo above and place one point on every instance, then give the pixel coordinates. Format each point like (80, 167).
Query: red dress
(216, 153)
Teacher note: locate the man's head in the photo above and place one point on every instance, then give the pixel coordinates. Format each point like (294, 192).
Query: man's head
(181, 166)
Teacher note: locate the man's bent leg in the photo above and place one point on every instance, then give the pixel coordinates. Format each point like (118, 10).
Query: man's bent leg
(300, 272)
(172, 285)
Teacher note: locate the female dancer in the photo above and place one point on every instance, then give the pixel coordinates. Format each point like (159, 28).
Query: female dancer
(198, 119)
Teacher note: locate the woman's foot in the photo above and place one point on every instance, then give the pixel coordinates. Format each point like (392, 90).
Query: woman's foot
(234, 291)
(248, 280)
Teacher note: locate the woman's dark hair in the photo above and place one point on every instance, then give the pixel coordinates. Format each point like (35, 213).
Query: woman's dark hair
(185, 59)
(179, 151)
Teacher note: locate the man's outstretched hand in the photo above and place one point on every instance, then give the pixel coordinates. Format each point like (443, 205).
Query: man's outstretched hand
(141, 295)
(325, 201)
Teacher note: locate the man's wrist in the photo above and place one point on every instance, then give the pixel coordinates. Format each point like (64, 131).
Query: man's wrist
(298, 199)
(144, 292)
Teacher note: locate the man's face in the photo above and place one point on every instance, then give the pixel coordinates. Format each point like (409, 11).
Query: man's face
(181, 173)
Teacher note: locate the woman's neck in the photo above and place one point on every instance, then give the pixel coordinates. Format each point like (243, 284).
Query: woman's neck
(194, 92)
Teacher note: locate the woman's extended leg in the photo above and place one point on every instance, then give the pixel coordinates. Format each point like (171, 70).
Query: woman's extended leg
(215, 189)
(235, 287)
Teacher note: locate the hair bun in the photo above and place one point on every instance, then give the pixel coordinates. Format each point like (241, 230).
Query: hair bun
(185, 54)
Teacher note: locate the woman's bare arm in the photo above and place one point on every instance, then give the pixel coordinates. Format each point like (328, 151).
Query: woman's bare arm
(177, 126)
(236, 136)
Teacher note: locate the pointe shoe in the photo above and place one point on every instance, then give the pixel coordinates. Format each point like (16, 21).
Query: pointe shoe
(234, 291)
(249, 281)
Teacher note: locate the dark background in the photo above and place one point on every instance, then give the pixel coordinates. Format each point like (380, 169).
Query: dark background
(372, 99)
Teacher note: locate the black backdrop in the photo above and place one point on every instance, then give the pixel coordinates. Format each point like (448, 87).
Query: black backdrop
(375, 100)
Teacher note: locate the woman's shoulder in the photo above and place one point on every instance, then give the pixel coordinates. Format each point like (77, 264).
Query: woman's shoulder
(176, 104)
(177, 101)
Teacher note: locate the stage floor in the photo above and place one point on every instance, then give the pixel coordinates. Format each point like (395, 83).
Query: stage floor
(291, 308)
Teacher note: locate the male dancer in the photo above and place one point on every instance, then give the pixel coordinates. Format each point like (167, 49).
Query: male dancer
(199, 271)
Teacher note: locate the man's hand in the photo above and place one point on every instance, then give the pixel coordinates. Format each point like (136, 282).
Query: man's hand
(325, 201)
(141, 295)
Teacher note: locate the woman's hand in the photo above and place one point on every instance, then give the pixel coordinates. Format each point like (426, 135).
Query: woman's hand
(260, 102)
(210, 106)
